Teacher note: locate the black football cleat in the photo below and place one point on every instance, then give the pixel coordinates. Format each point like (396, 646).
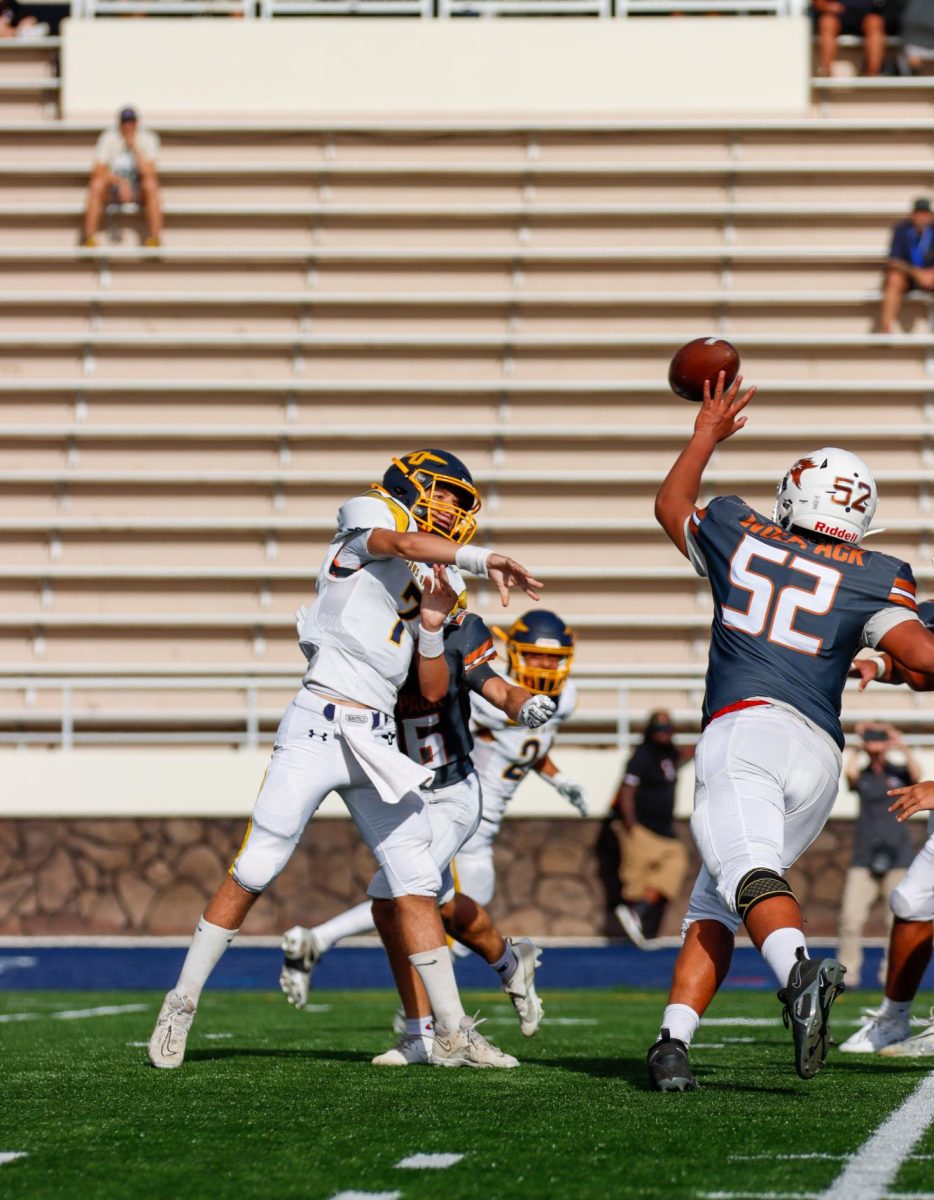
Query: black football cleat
(813, 985)
(669, 1068)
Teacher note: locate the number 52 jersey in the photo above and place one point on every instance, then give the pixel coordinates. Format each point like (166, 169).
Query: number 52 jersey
(789, 613)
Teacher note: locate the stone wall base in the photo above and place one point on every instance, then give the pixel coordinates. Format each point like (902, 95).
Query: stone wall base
(154, 876)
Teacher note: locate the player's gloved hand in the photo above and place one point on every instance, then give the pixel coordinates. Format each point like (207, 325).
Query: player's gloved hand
(536, 711)
(301, 614)
(571, 791)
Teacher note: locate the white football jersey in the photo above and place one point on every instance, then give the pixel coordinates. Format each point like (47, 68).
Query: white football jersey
(508, 752)
(358, 634)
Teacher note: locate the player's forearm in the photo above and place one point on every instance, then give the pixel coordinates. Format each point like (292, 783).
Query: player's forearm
(433, 678)
(677, 497)
(419, 547)
(507, 697)
(547, 767)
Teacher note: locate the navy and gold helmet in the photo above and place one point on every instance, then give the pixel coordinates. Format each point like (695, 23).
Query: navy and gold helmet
(539, 632)
(416, 478)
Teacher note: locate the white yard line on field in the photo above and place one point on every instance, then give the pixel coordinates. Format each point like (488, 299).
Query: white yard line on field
(759, 1195)
(11, 1155)
(367, 1196)
(787, 1157)
(876, 1164)
(74, 1014)
(428, 1162)
(740, 1021)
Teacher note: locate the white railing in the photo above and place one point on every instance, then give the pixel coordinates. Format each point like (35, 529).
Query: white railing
(431, 9)
(249, 722)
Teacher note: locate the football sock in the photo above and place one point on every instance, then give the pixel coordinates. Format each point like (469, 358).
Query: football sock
(894, 1008)
(779, 948)
(204, 953)
(436, 972)
(681, 1021)
(419, 1025)
(358, 919)
(505, 967)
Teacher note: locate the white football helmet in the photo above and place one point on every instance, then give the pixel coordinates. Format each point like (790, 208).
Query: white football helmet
(830, 491)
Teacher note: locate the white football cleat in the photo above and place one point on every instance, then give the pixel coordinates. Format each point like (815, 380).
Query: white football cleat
(632, 925)
(467, 1047)
(173, 1024)
(878, 1032)
(919, 1046)
(412, 1049)
(520, 987)
(301, 955)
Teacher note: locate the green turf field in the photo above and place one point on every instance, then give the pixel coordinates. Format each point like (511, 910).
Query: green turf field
(284, 1104)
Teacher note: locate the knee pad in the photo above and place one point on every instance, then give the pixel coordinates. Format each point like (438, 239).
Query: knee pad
(262, 858)
(906, 904)
(758, 885)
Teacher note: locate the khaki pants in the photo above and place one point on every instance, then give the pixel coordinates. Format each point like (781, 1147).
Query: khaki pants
(860, 893)
(650, 862)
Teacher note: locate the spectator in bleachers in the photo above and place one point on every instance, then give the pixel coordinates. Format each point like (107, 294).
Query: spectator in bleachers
(124, 172)
(15, 22)
(653, 860)
(911, 262)
(917, 29)
(882, 848)
(862, 18)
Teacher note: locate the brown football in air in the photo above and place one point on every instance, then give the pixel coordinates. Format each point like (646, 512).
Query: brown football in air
(702, 359)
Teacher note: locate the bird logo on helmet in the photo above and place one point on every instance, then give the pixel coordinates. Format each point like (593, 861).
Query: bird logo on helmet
(829, 491)
(539, 633)
(418, 480)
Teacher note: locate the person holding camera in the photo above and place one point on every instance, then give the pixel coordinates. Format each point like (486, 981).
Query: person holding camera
(882, 848)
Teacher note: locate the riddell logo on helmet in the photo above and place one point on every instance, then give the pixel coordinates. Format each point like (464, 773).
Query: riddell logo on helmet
(845, 535)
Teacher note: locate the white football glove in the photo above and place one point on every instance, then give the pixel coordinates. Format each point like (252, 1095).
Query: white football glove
(301, 615)
(571, 791)
(536, 711)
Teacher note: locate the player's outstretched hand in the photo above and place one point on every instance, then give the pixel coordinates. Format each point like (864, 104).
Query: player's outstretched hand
(536, 711)
(506, 573)
(719, 415)
(575, 795)
(438, 598)
(917, 798)
(865, 670)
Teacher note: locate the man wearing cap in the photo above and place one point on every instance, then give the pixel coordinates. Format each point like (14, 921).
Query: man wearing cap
(124, 172)
(653, 860)
(910, 263)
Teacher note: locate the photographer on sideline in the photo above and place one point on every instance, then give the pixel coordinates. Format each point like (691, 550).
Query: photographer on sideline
(882, 848)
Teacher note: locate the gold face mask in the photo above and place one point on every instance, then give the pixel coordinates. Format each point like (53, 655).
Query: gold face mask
(452, 520)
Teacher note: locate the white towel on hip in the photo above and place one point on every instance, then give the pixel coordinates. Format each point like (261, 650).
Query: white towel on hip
(391, 772)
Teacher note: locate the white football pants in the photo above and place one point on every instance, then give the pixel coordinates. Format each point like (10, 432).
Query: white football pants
(765, 784)
(311, 759)
(913, 899)
(473, 863)
(453, 813)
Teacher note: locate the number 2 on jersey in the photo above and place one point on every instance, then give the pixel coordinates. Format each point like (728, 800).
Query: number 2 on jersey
(530, 753)
(782, 604)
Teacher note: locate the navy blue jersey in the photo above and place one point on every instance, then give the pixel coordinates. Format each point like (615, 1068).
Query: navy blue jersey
(438, 735)
(790, 613)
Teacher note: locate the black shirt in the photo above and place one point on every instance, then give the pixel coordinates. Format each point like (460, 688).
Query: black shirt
(876, 827)
(653, 772)
(438, 735)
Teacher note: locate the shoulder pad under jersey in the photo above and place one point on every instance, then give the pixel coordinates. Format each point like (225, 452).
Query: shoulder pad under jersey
(374, 510)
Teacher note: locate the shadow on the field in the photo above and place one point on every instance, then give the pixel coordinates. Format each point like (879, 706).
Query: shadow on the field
(633, 1072)
(285, 1052)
